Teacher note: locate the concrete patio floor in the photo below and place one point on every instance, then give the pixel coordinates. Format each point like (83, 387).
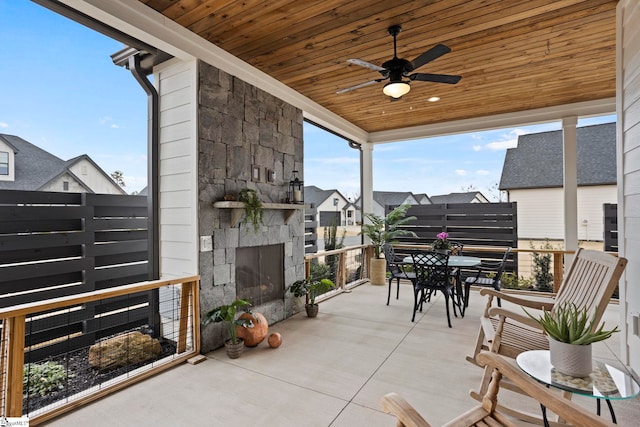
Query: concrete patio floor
(329, 371)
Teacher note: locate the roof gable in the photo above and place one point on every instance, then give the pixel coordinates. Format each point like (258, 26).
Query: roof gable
(537, 160)
(34, 166)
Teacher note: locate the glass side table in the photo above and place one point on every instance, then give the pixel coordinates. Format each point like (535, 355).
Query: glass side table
(605, 382)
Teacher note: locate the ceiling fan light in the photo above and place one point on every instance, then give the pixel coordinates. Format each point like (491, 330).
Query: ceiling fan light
(396, 89)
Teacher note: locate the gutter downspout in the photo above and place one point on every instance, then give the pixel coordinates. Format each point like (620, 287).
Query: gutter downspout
(153, 142)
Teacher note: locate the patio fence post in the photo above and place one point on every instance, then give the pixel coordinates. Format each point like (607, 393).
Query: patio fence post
(15, 365)
(557, 270)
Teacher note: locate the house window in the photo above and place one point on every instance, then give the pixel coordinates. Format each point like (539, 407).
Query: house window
(349, 214)
(65, 185)
(4, 163)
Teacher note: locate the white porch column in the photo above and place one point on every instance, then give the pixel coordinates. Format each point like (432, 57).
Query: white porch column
(570, 178)
(367, 180)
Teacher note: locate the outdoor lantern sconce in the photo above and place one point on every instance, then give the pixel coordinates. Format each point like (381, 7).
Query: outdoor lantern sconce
(296, 189)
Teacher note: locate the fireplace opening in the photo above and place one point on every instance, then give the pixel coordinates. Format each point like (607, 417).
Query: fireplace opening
(260, 273)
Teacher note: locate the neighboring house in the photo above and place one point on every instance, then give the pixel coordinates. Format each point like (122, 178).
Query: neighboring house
(332, 207)
(384, 198)
(468, 197)
(423, 199)
(24, 166)
(532, 176)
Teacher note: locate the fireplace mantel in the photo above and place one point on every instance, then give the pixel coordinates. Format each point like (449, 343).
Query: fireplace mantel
(237, 209)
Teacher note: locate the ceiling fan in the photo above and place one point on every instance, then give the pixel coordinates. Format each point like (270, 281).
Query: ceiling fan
(397, 69)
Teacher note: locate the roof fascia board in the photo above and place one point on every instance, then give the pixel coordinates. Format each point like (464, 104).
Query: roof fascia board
(140, 21)
(521, 118)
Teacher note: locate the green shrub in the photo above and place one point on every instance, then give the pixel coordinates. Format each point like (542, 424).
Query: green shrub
(542, 268)
(43, 378)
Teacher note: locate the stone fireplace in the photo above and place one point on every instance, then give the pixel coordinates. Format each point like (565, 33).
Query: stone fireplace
(240, 129)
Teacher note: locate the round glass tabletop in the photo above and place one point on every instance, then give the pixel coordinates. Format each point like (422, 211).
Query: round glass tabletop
(605, 381)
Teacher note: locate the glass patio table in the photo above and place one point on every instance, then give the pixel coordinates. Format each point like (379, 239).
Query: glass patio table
(605, 382)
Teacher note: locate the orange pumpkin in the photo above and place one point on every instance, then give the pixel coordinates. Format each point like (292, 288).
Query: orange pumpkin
(253, 336)
(275, 340)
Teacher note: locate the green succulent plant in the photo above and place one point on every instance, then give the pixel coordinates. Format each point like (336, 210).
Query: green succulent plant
(572, 325)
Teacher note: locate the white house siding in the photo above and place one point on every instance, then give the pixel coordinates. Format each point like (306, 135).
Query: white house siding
(73, 186)
(628, 128)
(93, 178)
(540, 212)
(327, 206)
(176, 82)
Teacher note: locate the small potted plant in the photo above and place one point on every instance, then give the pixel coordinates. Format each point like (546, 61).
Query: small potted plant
(227, 315)
(442, 242)
(310, 289)
(571, 333)
(253, 211)
(385, 230)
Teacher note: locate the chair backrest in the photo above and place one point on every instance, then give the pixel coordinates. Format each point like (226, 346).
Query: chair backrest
(390, 257)
(431, 268)
(456, 248)
(500, 270)
(590, 281)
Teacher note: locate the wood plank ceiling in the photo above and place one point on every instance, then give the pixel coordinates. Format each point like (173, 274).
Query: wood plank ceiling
(512, 55)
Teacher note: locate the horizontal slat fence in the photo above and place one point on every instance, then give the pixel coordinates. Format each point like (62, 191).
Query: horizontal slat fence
(60, 244)
(310, 230)
(473, 224)
(610, 227)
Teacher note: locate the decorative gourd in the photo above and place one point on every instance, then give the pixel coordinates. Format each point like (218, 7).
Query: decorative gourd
(275, 339)
(253, 336)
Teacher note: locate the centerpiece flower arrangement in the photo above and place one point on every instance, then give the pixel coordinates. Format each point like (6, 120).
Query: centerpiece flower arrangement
(442, 241)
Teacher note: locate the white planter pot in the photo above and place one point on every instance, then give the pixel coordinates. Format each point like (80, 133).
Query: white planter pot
(378, 271)
(571, 359)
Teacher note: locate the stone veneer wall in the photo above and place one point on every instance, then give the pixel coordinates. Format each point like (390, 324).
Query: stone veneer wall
(239, 126)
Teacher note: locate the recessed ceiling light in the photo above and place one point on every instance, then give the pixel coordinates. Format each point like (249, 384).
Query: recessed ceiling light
(433, 99)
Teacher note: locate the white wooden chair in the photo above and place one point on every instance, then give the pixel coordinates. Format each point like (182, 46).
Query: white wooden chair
(488, 412)
(589, 283)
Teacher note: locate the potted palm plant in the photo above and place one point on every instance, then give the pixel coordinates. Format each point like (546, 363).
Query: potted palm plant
(385, 230)
(227, 315)
(310, 289)
(571, 333)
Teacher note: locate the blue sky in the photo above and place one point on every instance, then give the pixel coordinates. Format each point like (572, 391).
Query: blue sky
(62, 93)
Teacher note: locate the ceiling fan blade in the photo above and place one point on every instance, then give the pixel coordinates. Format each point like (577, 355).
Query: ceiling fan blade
(434, 53)
(365, 64)
(436, 78)
(369, 83)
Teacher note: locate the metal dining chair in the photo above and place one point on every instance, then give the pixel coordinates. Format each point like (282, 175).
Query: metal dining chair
(489, 275)
(432, 274)
(396, 268)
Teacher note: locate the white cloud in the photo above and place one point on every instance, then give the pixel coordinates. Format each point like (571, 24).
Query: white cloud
(460, 172)
(501, 145)
(4, 125)
(483, 172)
(114, 126)
(477, 147)
(104, 120)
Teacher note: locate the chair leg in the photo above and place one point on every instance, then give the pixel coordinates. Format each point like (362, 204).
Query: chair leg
(398, 288)
(497, 288)
(415, 302)
(389, 293)
(467, 289)
(446, 302)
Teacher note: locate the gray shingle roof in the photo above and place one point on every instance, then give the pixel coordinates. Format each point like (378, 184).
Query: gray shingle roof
(537, 160)
(315, 195)
(34, 167)
(391, 197)
(456, 197)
